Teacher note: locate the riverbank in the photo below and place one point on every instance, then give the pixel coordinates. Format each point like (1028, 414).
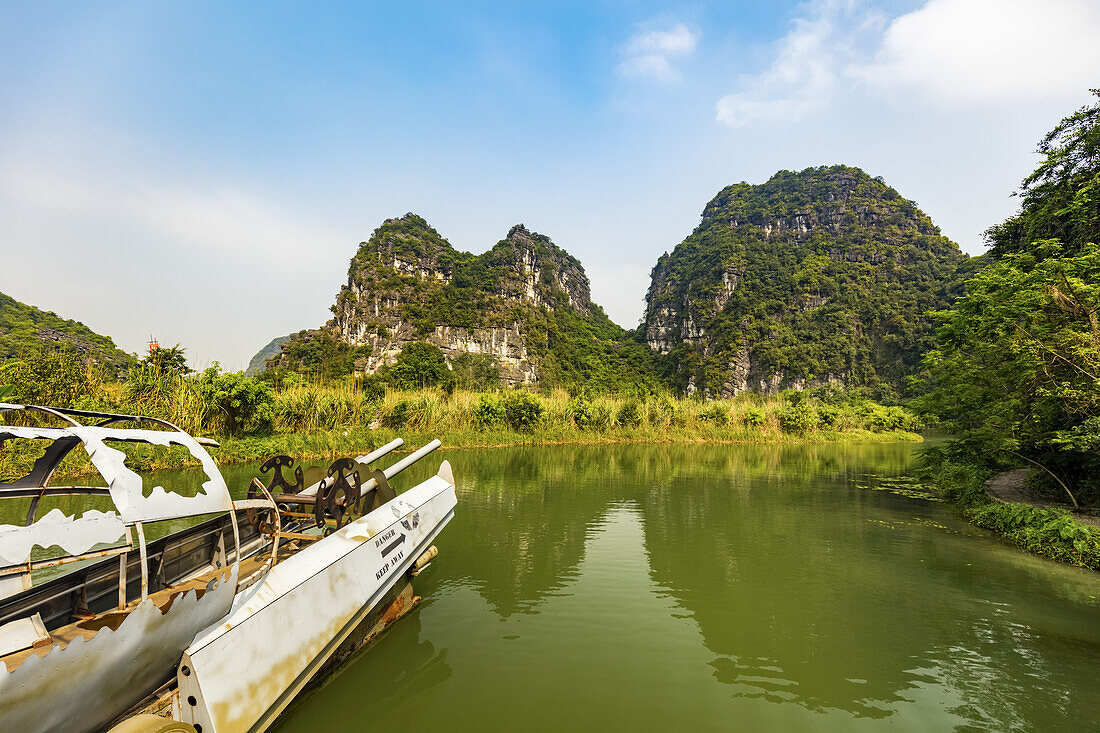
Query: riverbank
(326, 420)
(326, 445)
(1042, 529)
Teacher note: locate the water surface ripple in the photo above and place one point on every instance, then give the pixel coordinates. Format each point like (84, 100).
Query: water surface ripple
(721, 588)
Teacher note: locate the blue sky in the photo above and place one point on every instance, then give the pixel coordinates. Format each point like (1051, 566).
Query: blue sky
(203, 172)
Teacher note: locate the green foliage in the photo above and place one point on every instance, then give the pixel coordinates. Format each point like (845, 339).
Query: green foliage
(373, 387)
(1053, 533)
(397, 415)
(753, 416)
(476, 372)
(522, 410)
(798, 417)
(630, 414)
(317, 353)
(825, 272)
(166, 360)
(241, 404)
(419, 365)
(1061, 199)
(582, 412)
(716, 414)
(1019, 359)
(490, 411)
(27, 333)
(54, 378)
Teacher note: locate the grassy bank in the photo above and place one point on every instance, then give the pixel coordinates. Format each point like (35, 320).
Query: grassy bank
(322, 420)
(1052, 533)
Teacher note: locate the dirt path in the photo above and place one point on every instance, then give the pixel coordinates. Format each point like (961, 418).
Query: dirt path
(1010, 487)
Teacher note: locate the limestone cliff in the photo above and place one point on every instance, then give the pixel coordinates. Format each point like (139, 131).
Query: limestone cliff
(822, 276)
(525, 302)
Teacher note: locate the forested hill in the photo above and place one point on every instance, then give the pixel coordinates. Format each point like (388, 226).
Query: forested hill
(26, 331)
(825, 275)
(525, 304)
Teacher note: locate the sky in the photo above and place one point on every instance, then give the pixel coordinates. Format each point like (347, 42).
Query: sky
(202, 172)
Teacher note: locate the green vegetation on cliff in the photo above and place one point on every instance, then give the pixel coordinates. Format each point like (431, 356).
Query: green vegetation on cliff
(825, 275)
(525, 302)
(29, 333)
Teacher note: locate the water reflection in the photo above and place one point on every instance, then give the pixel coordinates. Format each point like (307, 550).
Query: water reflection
(719, 587)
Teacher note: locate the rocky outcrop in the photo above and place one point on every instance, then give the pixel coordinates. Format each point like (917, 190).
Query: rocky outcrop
(408, 284)
(820, 277)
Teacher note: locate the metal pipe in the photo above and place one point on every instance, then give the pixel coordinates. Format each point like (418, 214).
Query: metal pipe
(411, 459)
(364, 460)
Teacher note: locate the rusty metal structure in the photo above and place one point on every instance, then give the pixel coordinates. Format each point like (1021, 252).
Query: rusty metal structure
(183, 624)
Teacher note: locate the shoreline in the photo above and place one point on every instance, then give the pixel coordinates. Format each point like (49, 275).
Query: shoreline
(1040, 528)
(332, 444)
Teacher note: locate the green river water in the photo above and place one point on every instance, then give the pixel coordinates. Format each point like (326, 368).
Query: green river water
(755, 588)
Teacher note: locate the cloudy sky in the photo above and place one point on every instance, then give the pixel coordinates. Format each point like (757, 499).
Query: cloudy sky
(203, 171)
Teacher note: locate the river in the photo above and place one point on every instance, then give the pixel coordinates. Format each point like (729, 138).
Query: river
(757, 588)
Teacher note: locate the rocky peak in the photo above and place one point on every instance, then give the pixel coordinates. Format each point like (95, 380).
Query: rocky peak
(783, 284)
(407, 283)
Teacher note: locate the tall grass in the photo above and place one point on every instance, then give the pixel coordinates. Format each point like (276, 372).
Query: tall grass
(320, 419)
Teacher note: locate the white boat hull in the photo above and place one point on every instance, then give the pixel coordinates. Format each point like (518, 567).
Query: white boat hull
(241, 672)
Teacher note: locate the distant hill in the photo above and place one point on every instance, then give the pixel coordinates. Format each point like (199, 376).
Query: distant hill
(525, 302)
(26, 331)
(258, 363)
(822, 276)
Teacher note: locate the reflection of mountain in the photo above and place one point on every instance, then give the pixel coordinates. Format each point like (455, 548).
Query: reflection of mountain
(551, 497)
(523, 524)
(827, 599)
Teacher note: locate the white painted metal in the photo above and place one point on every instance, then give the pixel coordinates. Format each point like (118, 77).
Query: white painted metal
(125, 485)
(22, 634)
(75, 535)
(85, 684)
(242, 671)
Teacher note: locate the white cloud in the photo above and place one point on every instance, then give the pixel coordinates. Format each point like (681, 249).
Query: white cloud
(648, 53)
(947, 51)
(968, 51)
(809, 64)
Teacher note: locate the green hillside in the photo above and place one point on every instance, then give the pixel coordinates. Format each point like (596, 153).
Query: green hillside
(525, 303)
(822, 276)
(27, 332)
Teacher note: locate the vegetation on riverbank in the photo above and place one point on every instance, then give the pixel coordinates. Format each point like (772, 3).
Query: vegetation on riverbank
(1014, 376)
(1050, 532)
(254, 418)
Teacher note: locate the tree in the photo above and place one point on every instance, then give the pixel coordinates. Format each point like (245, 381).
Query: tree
(1061, 199)
(420, 364)
(54, 378)
(1018, 363)
(166, 360)
(1017, 367)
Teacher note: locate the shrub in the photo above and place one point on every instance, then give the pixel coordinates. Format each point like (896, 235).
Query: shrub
(55, 378)
(716, 413)
(754, 416)
(630, 414)
(374, 389)
(522, 410)
(419, 364)
(582, 413)
(240, 404)
(397, 415)
(798, 418)
(489, 411)
(828, 414)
